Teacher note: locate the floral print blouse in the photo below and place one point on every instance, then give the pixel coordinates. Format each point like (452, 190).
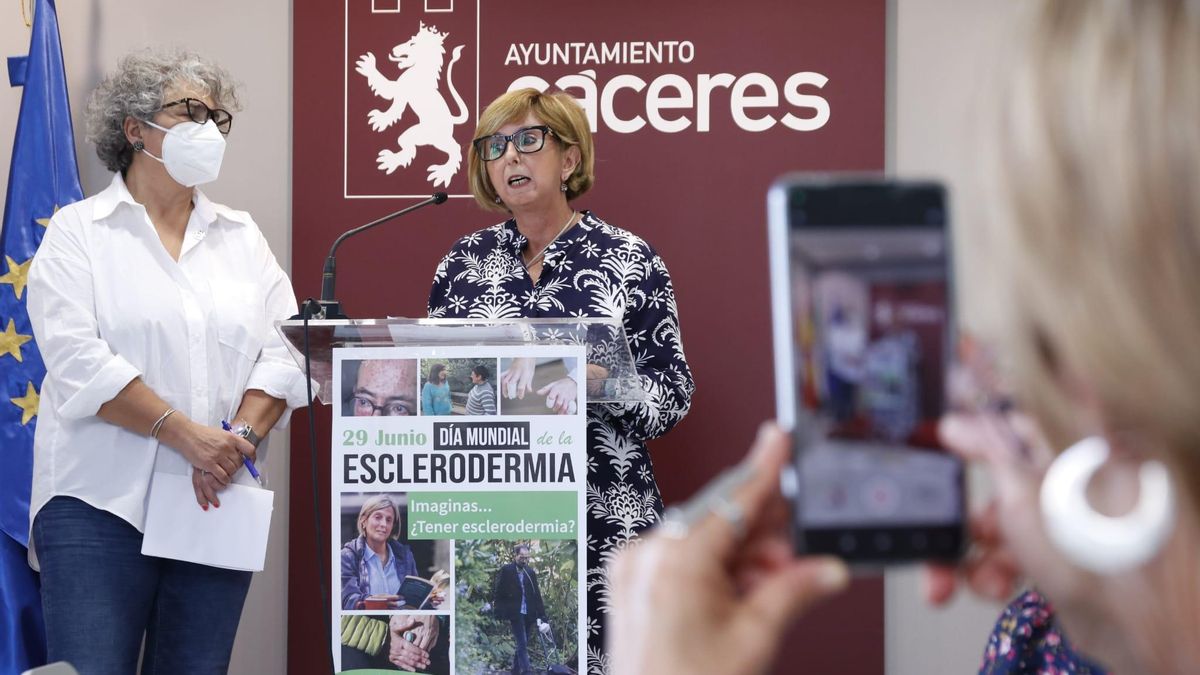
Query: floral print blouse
(1028, 641)
(592, 270)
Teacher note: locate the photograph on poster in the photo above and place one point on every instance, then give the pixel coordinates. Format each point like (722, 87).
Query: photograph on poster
(409, 642)
(538, 386)
(381, 569)
(458, 386)
(379, 387)
(496, 579)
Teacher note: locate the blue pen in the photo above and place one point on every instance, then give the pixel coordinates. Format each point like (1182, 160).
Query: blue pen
(245, 460)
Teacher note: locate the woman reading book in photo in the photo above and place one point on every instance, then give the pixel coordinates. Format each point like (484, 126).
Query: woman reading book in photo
(376, 562)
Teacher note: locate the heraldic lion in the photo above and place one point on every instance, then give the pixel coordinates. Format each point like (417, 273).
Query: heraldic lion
(420, 62)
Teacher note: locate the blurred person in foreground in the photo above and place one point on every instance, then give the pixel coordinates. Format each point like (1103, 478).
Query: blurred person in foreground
(154, 309)
(1094, 264)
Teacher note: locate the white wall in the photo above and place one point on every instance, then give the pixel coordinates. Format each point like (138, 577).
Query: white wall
(253, 40)
(943, 51)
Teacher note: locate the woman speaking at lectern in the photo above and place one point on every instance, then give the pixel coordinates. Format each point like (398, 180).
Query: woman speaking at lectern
(532, 156)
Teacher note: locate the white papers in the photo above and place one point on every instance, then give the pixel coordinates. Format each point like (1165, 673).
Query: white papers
(233, 536)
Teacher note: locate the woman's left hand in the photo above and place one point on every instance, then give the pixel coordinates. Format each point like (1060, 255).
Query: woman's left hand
(715, 600)
(436, 600)
(206, 486)
(560, 394)
(1008, 540)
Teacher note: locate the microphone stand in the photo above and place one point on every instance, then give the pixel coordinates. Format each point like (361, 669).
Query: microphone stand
(328, 307)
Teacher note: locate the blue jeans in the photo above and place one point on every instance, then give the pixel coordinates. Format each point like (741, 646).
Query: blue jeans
(520, 631)
(100, 595)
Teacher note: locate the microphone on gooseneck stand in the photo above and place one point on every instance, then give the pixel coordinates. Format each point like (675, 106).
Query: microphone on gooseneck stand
(328, 307)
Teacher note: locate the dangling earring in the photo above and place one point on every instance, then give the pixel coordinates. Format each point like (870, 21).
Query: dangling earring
(138, 146)
(1099, 543)
(562, 187)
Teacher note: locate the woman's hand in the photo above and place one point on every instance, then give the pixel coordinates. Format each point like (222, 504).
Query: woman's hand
(518, 379)
(595, 375)
(1007, 536)
(716, 601)
(215, 455)
(210, 449)
(560, 395)
(412, 638)
(206, 487)
(436, 600)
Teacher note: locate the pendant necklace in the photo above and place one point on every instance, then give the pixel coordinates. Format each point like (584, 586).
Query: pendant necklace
(541, 253)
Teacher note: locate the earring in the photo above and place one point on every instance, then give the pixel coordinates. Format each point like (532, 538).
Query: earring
(563, 187)
(1099, 543)
(497, 199)
(138, 146)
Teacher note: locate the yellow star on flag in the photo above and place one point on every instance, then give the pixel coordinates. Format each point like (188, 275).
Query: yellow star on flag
(45, 222)
(17, 275)
(11, 341)
(27, 403)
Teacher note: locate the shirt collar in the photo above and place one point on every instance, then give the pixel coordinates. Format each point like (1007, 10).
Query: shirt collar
(559, 247)
(369, 553)
(117, 193)
(517, 242)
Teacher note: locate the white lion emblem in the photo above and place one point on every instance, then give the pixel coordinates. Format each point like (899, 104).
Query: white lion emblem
(420, 61)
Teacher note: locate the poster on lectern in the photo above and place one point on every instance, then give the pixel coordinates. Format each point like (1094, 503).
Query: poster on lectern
(458, 488)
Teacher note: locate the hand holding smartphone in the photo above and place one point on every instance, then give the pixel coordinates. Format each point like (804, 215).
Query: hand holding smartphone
(861, 304)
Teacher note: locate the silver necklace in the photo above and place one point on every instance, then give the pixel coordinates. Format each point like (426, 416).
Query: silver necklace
(541, 253)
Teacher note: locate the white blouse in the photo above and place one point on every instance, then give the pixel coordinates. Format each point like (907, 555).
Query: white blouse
(108, 304)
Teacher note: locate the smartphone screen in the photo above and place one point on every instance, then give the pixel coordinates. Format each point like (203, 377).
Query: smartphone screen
(862, 295)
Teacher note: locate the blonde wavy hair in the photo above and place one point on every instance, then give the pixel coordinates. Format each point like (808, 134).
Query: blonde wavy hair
(557, 110)
(1095, 247)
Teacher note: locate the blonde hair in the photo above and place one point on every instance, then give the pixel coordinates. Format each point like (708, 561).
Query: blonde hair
(557, 110)
(1095, 246)
(378, 503)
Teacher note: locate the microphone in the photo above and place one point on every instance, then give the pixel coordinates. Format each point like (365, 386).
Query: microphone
(331, 308)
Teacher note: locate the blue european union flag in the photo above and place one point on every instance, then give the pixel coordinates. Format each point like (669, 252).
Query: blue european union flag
(43, 177)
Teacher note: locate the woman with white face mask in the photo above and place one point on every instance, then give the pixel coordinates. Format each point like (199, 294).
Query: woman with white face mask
(153, 308)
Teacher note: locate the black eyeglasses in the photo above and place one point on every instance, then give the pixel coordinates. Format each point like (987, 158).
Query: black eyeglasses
(525, 139)
(200, 113)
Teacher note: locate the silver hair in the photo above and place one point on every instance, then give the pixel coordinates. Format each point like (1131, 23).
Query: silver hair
(137, 89)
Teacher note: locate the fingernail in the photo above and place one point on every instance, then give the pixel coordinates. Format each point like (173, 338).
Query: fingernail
(768, 433)
(216, 506)
(204, 506)
(833, 576)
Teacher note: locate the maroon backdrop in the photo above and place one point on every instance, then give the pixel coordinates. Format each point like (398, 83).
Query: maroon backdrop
(697, 195)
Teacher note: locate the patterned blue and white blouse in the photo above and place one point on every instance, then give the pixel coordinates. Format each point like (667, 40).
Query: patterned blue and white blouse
(592, 270)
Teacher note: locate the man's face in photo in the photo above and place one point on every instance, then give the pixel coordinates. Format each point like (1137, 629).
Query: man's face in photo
(386, 388)
(522, 557)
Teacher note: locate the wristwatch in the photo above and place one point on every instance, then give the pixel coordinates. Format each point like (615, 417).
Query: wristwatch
(247, 432)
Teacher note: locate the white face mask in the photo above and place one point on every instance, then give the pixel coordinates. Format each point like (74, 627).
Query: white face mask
(192, 152)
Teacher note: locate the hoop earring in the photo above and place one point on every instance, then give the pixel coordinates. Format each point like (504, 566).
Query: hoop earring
(1096, 542)
(138, 146)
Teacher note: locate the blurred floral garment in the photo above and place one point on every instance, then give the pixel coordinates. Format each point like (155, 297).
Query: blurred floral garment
(592, 270)
(1027, 641)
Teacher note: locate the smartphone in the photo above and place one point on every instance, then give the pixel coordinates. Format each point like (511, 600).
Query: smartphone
(861, 305)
